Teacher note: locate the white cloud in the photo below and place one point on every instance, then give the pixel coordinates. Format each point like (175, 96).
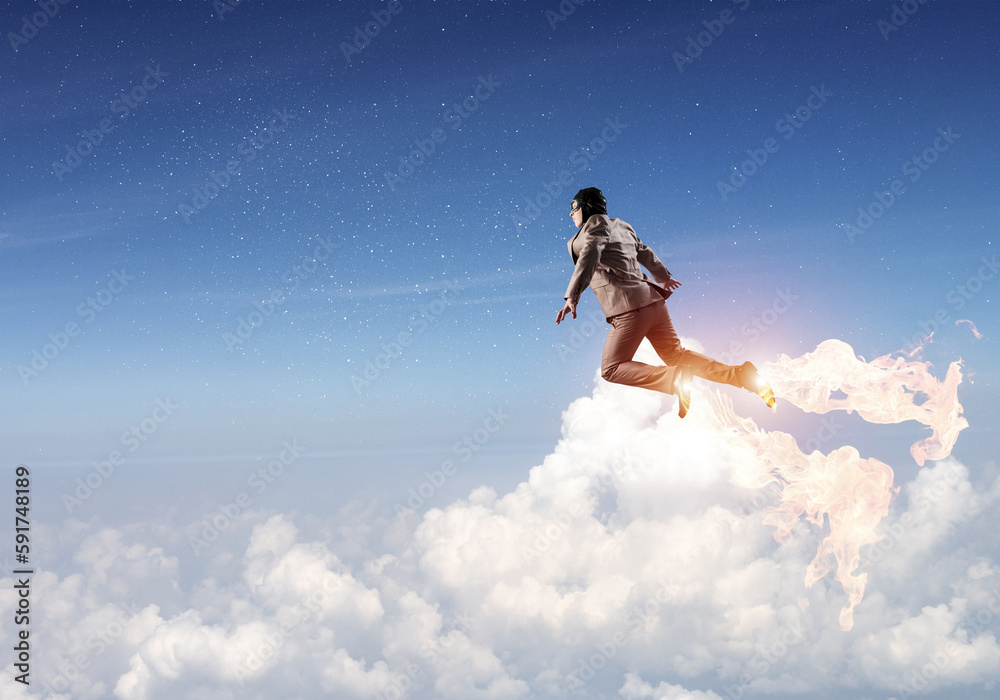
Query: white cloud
(636, 689)
(634, 560)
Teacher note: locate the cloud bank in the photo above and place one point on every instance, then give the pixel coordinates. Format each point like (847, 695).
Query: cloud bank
(646, 557)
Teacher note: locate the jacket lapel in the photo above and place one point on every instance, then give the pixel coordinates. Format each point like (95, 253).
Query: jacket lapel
(569, 245)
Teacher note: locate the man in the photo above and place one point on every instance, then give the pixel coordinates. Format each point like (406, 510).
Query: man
(607, 255)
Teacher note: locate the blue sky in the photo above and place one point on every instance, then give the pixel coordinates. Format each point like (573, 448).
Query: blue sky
(130, 275)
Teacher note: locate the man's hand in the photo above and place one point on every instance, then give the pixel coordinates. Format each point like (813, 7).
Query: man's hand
(671, 285)
(570, 308)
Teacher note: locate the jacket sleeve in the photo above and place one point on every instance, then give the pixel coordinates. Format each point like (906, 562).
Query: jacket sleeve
(594, 240)
(647, 258)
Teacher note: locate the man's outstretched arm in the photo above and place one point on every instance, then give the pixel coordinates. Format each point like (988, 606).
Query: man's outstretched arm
(594, 239)
(590, 255)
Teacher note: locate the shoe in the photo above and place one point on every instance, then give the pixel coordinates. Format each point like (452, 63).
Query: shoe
(750, 379)
(682, 387)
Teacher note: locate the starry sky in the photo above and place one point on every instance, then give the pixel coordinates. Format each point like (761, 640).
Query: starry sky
(231, 231)
(460, 215)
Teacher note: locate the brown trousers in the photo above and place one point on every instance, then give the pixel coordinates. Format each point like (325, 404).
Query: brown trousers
(653, 321)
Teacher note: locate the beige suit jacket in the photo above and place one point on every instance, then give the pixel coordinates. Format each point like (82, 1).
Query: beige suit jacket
(607, 255)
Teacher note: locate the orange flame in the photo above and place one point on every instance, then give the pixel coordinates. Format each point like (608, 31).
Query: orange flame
(881, 391)
(919, 347)
(975, 331)
(850, 492)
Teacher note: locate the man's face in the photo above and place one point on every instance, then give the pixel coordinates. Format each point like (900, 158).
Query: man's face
(576, 211)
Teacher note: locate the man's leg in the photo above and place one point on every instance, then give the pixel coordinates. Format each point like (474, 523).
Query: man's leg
(628, 330)
(668, 346)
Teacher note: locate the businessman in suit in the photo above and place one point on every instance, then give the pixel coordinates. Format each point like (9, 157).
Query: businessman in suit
(607, 254)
